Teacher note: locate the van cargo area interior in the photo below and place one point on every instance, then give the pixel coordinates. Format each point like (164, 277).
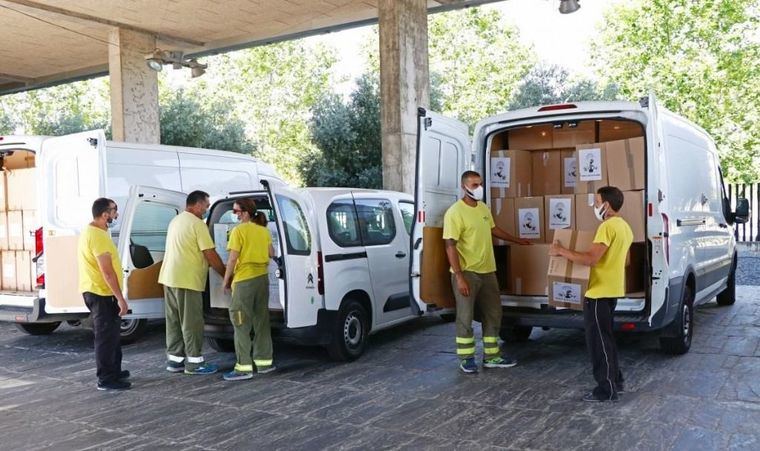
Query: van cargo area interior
(534, 184)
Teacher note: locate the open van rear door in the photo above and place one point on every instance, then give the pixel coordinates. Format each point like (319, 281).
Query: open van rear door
(443, 154)
(142, 242)
(72, 173)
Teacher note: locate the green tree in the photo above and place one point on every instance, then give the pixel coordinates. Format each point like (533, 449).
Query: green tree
(478, 59)
(187, 120)
(347, 137)
(702, 60)
(551, 84)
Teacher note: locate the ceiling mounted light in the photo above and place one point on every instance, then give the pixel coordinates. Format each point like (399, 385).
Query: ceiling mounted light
(177, 59)
(154, 64)
(568, 6)
(196, 69)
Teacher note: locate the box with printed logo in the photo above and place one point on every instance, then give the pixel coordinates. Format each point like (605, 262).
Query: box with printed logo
(510, 174)
(569, 173)
(592, 167)
(529, 218)
(567, 281)
(560, 214)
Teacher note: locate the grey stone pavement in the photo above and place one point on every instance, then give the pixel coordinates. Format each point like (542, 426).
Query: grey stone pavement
(405, 393)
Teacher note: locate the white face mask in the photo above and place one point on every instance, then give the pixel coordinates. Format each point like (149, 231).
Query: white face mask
(599, 212)
(476, 194)
(111, 223)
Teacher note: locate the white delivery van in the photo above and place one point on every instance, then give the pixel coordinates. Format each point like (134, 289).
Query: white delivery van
(342, 271)
(687, 246)
(52, 182)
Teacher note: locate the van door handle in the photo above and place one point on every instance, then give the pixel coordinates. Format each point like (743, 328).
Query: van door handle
(400, 254)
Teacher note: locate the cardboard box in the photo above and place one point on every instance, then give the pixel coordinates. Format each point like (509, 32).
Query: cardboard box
(8, 261)
(569, 173)
(29, 222)
(636, 269)
(584, 213)
(529, 218)
(633, 213)
(22, 189)
(546, 172)
(3, 192)
(568, 281)
(435, 277)
(510, 174)
(592, 168)
(625, 163)
(15, 230)
(583, 133)
(531, 138)
(19, 159)
(503, 211)
(23, 271)
(501, 255)
(560, 214)
(527, 269)
(613, 130)
(4, 241)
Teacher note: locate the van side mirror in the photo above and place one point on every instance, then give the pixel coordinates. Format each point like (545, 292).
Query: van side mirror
(741, 214)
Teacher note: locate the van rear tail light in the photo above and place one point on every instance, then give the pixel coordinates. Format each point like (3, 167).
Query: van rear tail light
(627, 327)
(38, 243)
(666, 236)
(39, 259)
(320, 274)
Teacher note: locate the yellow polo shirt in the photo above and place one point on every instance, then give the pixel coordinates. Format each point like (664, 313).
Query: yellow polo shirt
(94, 242)
(608, 275)
(252, 242)
(471, 228)
(184, 265)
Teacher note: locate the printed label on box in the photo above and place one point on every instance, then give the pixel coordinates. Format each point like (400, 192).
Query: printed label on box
(566, 292)
(530, 223)
(500, 172)
(590, 164)
(560, 212)
(571, 172)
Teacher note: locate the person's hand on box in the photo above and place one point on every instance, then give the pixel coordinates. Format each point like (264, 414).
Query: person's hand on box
(555, 250)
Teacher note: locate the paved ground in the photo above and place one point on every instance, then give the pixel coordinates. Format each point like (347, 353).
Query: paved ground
(404, 393)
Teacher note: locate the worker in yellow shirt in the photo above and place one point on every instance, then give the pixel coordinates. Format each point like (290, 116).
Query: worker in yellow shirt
(250, 248)
(189, 252)
(468, 228)
(606, 258)
(100, 282)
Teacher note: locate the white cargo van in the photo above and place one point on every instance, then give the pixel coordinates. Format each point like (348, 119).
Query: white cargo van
(343, 269)
(67, 174)
(688, 248)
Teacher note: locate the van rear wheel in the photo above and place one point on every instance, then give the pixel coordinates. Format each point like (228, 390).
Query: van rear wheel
(728, 296)
(678, 340)
(349, 335)
(38, 328)
(132, 330)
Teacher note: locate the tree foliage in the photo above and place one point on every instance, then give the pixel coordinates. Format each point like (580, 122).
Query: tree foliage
(702, 60)
(347, 136)
(552, 84)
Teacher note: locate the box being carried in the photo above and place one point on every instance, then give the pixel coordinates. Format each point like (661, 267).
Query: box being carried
(568, 281)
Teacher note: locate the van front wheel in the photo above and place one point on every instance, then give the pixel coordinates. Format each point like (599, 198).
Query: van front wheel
(349, 335)
(38, 328)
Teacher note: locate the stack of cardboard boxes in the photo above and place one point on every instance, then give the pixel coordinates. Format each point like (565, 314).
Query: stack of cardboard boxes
(18, 221)
(547, 187)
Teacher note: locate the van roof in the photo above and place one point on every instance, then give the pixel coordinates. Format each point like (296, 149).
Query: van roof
(555, 111)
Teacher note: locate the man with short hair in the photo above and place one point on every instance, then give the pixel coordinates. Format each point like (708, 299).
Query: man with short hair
(467, 229)
(189, 252)
(606, 258)
(100, 281)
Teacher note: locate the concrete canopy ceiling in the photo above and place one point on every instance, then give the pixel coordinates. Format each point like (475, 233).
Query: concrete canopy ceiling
(46, 42)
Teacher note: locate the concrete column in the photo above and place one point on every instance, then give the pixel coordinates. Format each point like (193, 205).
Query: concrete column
(134, 88)
(404, 86)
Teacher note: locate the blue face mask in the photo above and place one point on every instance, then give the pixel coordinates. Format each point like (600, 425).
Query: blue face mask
(205, 215)
(111, 223)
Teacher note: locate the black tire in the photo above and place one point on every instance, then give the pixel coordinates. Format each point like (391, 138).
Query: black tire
(132, 330)
(38, 328)
(728, 296)
(682, 329)
(516, 334)
(448, 317)
(349, 335)
(221, 344)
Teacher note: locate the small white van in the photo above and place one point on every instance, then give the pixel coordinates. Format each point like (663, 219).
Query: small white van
(70, 172)
(690, 255)
(342, 268)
